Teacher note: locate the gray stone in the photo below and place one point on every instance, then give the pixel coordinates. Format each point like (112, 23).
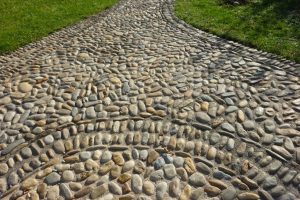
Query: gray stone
(203, 168)
(287, 196)
(143, 154)
(26, 152)
(59, 147)
(114, 188)
(136, 184)
(85, 155)
(157, 175)
(174, 187)
(289, 177)
(214, 138)
(230, 144)
(289, 145)
(78, 167)
(228, 194)
(135, 154)
(37, 130)
(259, 111)
(161, 189)
(133, 109)
(28, 106)
(202, 117)
(129, 165)
(12, 179)
(65, 191)
(269, 182)
(68, 176)
(228, 127)
(269, 126)
(159, 163)
(170, 171)
(249, 125)
(168, 158)
(231, 109)
(197, 180)
(53, 178)
(277, 191)
(90, 113)
(106, 156)
(9, 116)
(49, 139)
(178, 161)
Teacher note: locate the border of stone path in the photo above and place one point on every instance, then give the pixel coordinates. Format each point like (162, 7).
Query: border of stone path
(10, 66)
(276, 61)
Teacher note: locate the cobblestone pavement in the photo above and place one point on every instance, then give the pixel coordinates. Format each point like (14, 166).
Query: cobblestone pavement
(134, 104)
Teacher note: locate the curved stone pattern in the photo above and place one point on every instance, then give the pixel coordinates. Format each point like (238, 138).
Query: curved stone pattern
(135, 104)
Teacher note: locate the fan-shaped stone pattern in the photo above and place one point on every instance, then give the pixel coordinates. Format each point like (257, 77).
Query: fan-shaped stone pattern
(135, 104)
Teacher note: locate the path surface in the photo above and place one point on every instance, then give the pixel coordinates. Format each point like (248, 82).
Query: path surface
(133, 104)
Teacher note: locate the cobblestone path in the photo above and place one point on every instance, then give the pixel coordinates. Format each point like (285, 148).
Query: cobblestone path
(134, 104)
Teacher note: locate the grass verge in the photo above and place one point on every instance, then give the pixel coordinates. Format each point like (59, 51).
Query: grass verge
(24, 21)
(269, 25)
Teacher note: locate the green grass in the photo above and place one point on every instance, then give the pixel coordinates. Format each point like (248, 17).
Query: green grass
(24, 21)
(269, 25)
